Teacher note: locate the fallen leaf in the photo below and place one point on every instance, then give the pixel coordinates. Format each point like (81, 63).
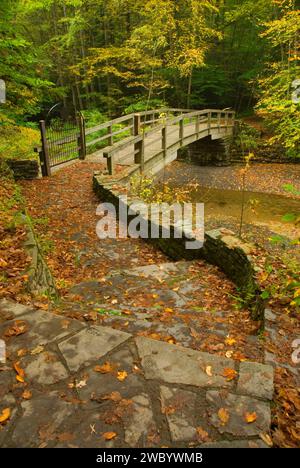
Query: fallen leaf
(122, 375)
(109, 435)
(202, 434)
(114, 396)
(223, 415)
(208, 370)
(105, 369)
(22, 352)
(5, 415)
(229, 374)
(80, 384)
(266, 438)
(20, 372)
(65, 437)
(250, 417)
(27, 395)
(230, 341)
(18, 328)
(39, 349)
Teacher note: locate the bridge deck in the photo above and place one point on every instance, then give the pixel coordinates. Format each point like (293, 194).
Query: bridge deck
(153, 142)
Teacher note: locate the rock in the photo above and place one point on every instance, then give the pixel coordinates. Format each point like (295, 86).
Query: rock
(179, 408)
(89, 345)
(256, 379)
(237, 406)
(140, 423)
(173, 364)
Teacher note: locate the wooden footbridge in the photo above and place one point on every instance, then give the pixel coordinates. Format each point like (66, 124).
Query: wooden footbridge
(149, 139)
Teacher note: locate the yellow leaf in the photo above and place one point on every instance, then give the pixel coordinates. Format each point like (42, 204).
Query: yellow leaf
(250, 417)
(223, 415)
(169, 310)
(122, 375)
(20, 379)
(266, 438)
(229, 373)
(105, 369)
(5, 415)
(109, 435)
(208, 370)
(27, 395)
(230, 341)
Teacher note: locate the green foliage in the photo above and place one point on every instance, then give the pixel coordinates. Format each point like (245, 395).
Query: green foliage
(276, 104)
(17, 142)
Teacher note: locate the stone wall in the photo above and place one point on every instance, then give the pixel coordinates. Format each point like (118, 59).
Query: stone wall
(208, 152)
(24, 168)
(40, 279)
(220, 248)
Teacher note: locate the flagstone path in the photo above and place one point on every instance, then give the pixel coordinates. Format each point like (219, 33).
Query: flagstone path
(84, 384)
(138, 352)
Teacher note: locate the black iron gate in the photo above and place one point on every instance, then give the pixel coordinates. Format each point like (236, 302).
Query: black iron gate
(63, 140)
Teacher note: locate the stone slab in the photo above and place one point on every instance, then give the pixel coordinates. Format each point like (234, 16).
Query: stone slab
(178, 405)
(174, 364)
(43, 328)
(237, 406)
(45, 369)
(256, 379)
(90, 344)
(140, 423)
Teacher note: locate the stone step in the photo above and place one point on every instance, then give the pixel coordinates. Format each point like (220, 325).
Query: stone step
(149, 393)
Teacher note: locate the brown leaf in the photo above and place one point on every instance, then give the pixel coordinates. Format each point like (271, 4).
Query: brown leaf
(18, 328)
(250, 417)
(122, 375)
(229, 374)
(65, 437)
(114, 396)
(104, 369)
(223, 415)
(27, 395)
(20, 372)
(202, 435)
(266, 438)
(109, 435)
(5, 415)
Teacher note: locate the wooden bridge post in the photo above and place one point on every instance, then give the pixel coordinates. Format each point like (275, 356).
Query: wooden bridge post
(198, 125)
(139, 146)
(181, 129)
(219, 120)
(110, 162)
(137, 124)
(110, 136)
(164, 140)
(44, 155)
(209, 122)
(81, 138)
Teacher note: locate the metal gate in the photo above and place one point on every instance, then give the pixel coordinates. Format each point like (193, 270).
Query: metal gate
(63, 140)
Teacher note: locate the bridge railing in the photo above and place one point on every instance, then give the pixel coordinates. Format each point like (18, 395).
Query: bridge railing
(125, 126)
(165, 123)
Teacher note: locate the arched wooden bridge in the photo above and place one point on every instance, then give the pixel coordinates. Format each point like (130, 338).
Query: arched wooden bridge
(149, 139)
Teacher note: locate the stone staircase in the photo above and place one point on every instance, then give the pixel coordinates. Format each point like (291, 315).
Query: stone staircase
(96, 386)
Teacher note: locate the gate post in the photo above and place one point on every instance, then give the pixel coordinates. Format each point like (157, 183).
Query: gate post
(81, 138)
(44, 154)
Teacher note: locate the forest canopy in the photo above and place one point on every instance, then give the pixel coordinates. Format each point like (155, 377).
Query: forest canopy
(118, 56)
